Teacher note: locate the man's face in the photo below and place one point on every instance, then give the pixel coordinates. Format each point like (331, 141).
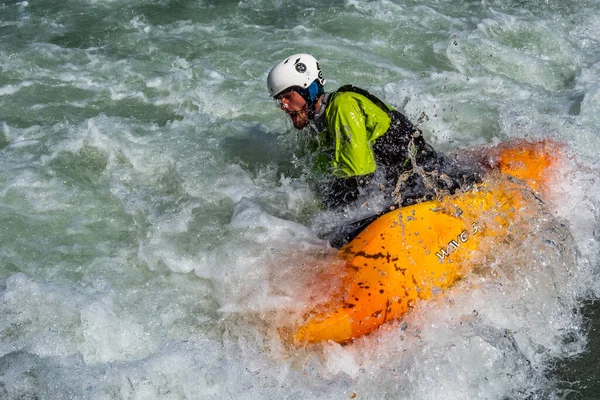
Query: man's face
(295, 106)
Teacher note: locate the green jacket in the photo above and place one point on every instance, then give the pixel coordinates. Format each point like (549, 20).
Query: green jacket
(352, 123)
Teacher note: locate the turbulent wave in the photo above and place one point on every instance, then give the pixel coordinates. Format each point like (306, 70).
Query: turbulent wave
(157, 214)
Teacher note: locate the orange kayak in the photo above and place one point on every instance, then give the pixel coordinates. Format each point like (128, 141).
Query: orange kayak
(416, 252)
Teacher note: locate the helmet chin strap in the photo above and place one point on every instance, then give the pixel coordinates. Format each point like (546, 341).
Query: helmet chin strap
(311, 95)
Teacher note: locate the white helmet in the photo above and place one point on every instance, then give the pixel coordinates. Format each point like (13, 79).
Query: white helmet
(299, 70)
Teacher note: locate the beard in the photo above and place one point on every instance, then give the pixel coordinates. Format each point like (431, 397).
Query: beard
(300, 118)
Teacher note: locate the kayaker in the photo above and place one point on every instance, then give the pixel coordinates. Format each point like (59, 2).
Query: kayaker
(365, 143)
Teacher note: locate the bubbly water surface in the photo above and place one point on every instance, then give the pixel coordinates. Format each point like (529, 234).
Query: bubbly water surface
(156, 222)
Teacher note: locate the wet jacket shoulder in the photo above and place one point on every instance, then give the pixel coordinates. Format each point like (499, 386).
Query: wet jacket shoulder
(353, 123)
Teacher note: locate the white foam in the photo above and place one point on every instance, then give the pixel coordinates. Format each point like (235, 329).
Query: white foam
(168, 270)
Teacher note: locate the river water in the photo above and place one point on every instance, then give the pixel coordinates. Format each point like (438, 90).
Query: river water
(157, 226)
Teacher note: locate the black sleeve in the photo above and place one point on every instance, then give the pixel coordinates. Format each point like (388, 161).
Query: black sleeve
(338, 192)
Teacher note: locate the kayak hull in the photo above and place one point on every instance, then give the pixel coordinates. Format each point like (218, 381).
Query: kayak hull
(416, 252)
